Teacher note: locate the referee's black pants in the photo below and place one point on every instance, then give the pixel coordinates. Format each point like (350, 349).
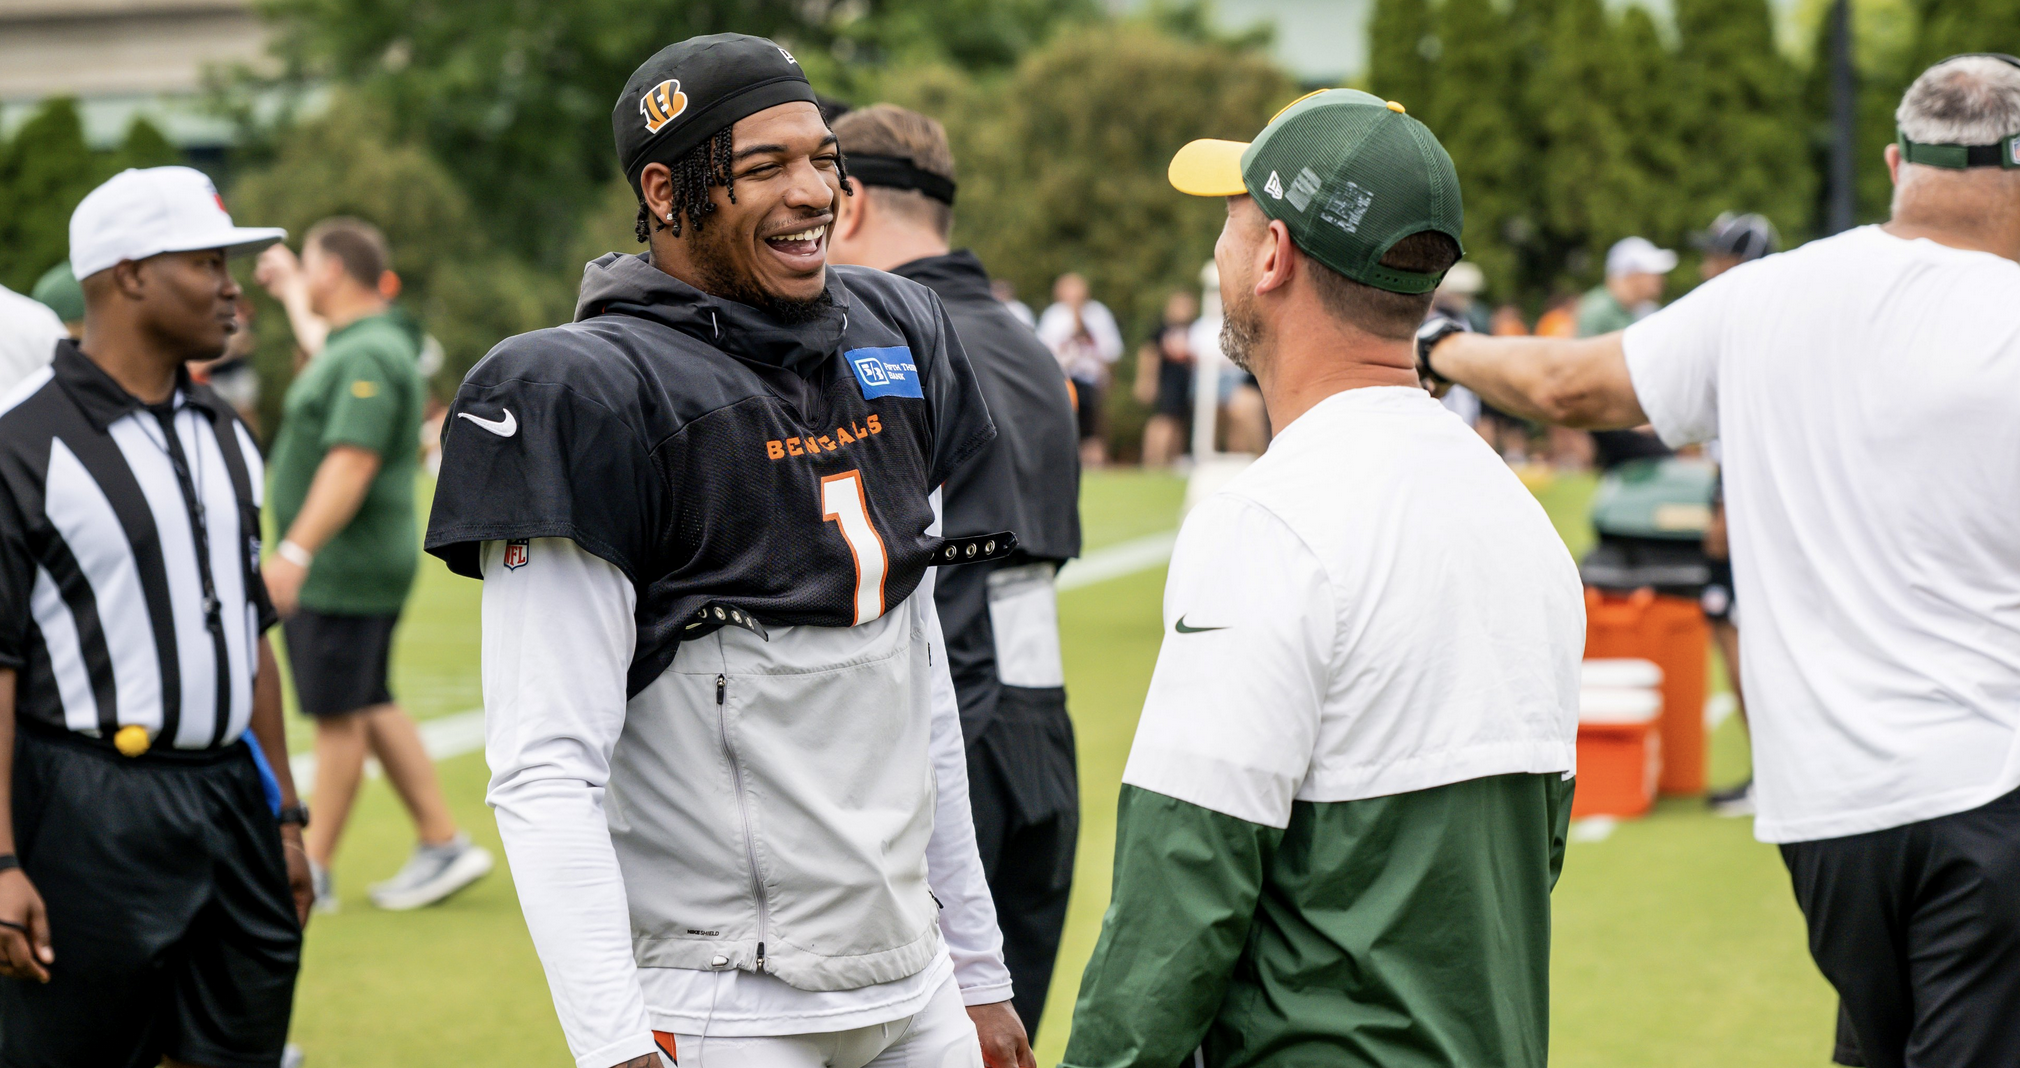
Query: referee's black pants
(1024, 788)
(169, 910)
(1918, 928)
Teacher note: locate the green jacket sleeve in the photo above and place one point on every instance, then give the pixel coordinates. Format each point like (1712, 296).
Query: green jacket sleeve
(1186, 883)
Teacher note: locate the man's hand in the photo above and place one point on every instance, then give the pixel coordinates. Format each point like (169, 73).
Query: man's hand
(284, 583)
(300, 882)
(278, 271)
(24, 938)
(1004, 1043)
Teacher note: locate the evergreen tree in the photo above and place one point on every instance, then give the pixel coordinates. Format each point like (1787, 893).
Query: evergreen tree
(1587, 187)
(1740, 121)
(1403, 50)
(1475, 114)
(145, 146)
(1948, 27)
(44, 172)
(1652, 110)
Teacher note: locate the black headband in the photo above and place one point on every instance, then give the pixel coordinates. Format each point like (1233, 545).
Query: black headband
(897, 172)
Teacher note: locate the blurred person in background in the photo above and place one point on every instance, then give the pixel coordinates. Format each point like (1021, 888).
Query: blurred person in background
(29, 332)
(1082, 334)
(1459, 296)
(343, 500)
(1507, 321)
(153, 887)
(58, 289)
(1732, 240)
(1560, 318)
(1636, 271)
(1843, 381)
(1005, 291)
(1001, 619)
(233, 375)
(1165, 372)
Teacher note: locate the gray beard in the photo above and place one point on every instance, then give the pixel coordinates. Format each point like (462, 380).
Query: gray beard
(1241, 336)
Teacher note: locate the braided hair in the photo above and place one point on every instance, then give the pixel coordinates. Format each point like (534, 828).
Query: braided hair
(705, 166)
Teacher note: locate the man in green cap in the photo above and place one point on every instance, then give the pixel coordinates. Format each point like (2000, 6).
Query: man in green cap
(1346, 803)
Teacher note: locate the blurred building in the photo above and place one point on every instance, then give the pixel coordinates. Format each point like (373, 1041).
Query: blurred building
(122, 58)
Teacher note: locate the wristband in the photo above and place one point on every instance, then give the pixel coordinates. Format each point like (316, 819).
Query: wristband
(1435, 329)
(294, 554)
(9, 862)
(294, 815)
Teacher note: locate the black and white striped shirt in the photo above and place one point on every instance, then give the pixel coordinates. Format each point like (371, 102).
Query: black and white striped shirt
(129, 558)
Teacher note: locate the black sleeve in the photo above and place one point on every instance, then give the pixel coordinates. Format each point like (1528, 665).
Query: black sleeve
(17, 583)
(961, 424)
(525, 458)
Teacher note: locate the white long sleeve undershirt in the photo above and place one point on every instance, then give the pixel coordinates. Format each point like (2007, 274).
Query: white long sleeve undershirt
(558, 634)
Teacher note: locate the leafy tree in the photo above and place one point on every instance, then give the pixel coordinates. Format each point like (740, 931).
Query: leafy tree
(1476, 116)
(45, 171)
(1403, 53)
(454, 279)
(1062, 165)
(514, 98)
(1588, 191)
(1948, 27)
(1740, 123)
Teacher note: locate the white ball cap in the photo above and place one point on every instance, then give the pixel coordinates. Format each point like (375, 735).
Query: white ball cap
(140, 213)
(1638, 255)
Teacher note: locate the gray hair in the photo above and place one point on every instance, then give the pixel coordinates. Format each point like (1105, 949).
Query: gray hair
(1971, 100)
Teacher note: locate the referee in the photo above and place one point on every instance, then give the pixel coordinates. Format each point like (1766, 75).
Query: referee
(152, 880)
(1861, 388)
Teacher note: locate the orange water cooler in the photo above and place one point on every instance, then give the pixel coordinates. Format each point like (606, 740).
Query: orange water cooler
(1671, 633)
(1619, 738)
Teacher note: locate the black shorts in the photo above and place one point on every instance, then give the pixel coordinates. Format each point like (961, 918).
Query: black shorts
(1087, 399)
(1918, 928)
(339, 662)
(1174, 389)
(169, 910)
(1717, 598)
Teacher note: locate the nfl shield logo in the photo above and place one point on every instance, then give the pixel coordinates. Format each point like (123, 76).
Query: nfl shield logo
(515, 554)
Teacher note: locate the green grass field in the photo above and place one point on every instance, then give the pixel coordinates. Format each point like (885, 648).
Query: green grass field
(1678, 943)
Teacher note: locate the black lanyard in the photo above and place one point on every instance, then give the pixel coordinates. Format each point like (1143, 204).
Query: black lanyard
(192, 500)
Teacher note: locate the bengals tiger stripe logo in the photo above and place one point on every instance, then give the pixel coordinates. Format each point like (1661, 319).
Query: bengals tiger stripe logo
(662, 104)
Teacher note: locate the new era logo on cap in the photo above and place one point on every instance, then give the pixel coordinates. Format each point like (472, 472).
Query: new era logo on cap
(1274, 187)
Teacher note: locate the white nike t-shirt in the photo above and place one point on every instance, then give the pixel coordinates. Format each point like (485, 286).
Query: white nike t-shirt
(1867, 393)
(1375, 606)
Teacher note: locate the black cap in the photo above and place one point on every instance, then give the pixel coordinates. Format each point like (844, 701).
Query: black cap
(1743, 237)
(687, 92)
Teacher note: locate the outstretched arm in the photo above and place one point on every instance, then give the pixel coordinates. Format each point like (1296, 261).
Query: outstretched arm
(558, 637)
(1579, 383)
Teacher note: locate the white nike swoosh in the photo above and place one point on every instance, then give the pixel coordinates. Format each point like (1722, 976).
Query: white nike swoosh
(504, 428)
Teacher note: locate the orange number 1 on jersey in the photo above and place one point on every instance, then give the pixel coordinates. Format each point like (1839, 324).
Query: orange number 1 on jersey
(842, 498)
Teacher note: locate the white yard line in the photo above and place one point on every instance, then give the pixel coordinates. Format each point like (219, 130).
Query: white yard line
(463, 732)
(1593, 829)
(1718, 708)
(1115, 561)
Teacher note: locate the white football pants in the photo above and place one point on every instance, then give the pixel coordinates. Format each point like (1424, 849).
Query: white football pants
(939, 1036)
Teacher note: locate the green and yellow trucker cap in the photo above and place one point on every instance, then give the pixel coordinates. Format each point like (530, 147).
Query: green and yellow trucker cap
(1348, 173)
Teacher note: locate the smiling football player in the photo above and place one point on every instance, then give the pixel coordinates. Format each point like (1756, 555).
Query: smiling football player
(726, 757)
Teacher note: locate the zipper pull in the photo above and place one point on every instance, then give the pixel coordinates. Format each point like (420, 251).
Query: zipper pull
(721, 690)
(761, 956)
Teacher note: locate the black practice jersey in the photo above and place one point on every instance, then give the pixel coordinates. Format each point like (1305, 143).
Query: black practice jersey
(737, 470)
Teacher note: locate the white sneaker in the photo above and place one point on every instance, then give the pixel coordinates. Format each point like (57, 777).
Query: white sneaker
(291, 1056)
(325, 885)
(431, 874)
